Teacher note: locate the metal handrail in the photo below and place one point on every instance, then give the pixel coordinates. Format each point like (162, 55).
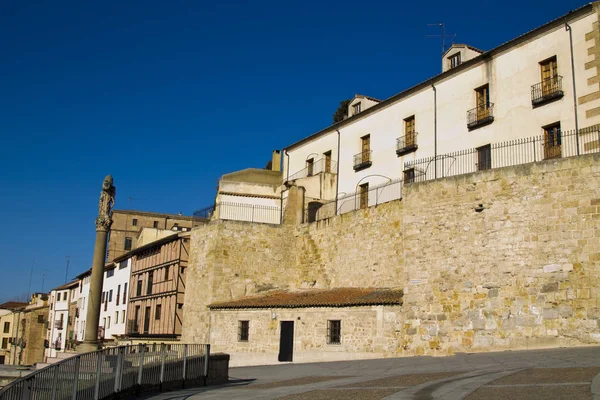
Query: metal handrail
(547, 89)
(321, 165)
(480, 114)
(362, 158)
(104, 373)
(406, 142)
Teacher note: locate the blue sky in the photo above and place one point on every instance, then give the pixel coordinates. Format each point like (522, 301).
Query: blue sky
(169, 95)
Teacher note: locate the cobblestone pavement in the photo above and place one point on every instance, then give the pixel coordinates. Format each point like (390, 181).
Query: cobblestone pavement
(555, 374)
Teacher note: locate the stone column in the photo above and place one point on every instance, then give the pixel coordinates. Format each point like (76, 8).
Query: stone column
(103, 223)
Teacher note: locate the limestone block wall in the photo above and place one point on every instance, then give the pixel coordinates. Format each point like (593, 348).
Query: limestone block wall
(521, 271)
(366, 332)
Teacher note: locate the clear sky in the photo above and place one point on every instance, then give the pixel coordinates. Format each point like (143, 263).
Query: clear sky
(169, 95)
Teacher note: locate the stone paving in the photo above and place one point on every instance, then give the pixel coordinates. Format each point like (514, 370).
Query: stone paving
(555, 374)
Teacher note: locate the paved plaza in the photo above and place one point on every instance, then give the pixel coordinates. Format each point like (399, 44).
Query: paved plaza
(557, 374)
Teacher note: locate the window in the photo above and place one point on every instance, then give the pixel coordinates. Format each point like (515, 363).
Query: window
(364, 195)
(310, 163)
(58, 296)
(125, 293)
(108, 323)
(365, 148)
(110, 273)
(134, 222)
(118, 293)
(104, 322)
(116, 317)
(123, 317)
(549, 71)
(356, 108)
(334, 332)
(149, 286)
(157, 312)
(454, 60)
(182, 270)
(127, 243)
(409, 175)
(409, 131)
(155, 224)
(5, 343)
(180, 306)
(327, 156)
(110, 296)
(139, 286)
(483, 102)
(6, 327)
(103, 296)
(552, 141)
(484, 157)
(123, 264)
(243, 331)
(167, 273)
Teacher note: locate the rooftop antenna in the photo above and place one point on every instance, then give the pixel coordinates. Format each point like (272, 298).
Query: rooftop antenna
(67, 271)
(443, 35)
(30, 276)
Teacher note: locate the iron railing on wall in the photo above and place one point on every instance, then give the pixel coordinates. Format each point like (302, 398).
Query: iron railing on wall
(317, 167)
(556, 144)
(481, 115)
(546, 91)
(248, 212)
(375, 195)
(102, 374)
(363, 159)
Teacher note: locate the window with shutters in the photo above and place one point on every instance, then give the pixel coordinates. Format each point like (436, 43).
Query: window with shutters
(484, 157)
(364, 195)
(552, 141)
(454, 60)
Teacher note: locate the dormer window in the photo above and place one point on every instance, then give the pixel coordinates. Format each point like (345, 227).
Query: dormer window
(454, 60)
(356, 108)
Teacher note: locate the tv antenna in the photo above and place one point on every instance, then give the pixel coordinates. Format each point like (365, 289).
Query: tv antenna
(67, 271)
(443, 35)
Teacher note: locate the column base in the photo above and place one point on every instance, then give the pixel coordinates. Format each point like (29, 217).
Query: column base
(87, 347)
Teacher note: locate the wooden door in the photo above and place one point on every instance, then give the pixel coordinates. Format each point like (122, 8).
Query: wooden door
(409, 129)
(484, 157)
(552, 142)
(147, 320)
(549, 74)
(327, 161)
(286, 341)
(366, 148)
(364, 195)
(483, 101)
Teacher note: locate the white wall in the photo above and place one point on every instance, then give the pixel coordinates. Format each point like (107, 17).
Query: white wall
(82, 304)
(114, 319)
(58, 309)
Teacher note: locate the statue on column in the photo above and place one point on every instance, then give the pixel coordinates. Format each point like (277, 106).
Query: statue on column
(106, 203)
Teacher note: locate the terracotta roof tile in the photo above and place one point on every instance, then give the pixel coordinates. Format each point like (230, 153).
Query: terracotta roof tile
(12, 305)
(340, 297)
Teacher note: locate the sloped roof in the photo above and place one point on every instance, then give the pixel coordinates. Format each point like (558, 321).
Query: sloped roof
(340, 297)
(69, 285)
(12, 305)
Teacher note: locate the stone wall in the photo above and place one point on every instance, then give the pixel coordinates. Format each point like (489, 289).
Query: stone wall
(519, 271)
(366, 332)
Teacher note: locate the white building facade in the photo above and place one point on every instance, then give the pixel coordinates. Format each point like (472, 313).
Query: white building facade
(61, 322)
(523, 89)
(114, 300)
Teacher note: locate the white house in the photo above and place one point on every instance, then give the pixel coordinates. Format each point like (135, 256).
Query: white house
(524, 88)
(114, 300)
(82, 303)
(61, 318)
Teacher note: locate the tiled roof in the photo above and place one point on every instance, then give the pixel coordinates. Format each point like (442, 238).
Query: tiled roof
(69, 285)
(340, 297)
(11, 305)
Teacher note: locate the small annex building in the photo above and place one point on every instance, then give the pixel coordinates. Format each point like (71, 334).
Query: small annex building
(307, 325)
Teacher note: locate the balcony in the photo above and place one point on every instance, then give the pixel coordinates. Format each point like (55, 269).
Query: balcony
(406, 144)
(59, 325)
(546, 91)
(481, 115)
(133, 327)
(362, 160)
(317, 167)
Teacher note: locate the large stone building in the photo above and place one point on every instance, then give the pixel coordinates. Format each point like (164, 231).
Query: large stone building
(437, 235)
(128, 223)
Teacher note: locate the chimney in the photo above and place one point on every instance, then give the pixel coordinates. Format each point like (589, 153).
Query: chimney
(276, 161)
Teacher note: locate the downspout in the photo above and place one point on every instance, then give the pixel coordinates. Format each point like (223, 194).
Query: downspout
(434, 130)
(288, 164)
(568, 29)
(287, 178)
(337, 178)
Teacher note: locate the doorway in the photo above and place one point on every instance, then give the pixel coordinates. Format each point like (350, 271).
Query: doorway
(286, 341)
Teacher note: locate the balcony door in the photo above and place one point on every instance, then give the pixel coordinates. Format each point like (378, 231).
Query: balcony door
(409, 131)
(366, 148)
(327, 157)
(552, 141)
(310, 167)
(364, 195)
(483, 101)
(147, 320)
(549, 74)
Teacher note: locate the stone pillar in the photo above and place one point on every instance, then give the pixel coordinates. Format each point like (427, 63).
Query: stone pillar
(103, 223)
(294, 209)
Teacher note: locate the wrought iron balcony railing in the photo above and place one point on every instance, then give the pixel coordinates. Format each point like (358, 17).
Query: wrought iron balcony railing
(58, 325)
(406, 144)
(481, 115)
(362, 160)
(546, 91)
(317, 167)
